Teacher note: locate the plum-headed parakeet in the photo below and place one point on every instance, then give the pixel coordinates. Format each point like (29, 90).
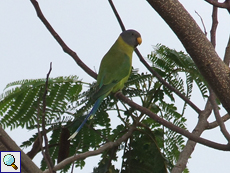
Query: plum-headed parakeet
(114, 70)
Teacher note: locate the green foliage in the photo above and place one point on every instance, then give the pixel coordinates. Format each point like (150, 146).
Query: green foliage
(142, 153)
(21, 105)
(174, 66)
(151, 148)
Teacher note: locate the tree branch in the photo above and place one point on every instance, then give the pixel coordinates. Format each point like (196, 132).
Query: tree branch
(205, 32)
(100, 150)
(218, 117)
(172, 126)
(190, 145)
(225, 4)
(65, 48)
(117, 15)
(214, 26)
(215, 123)
(46, 154)
(170, 87)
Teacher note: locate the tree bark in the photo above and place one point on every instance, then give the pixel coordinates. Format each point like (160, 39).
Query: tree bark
(214, 70)
(7, 144)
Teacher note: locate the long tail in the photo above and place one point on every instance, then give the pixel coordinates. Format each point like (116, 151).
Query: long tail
(92, 112)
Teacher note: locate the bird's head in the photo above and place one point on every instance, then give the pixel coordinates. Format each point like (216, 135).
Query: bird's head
(131, 37)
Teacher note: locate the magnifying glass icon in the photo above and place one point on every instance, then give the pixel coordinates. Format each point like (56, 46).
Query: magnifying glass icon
(9, 160)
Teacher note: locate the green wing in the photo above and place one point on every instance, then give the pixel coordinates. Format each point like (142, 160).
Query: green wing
(115, 69)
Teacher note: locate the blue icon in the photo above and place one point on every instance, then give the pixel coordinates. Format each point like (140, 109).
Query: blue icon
(9, 160)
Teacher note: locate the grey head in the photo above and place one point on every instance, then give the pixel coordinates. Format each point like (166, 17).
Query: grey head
(131, 37)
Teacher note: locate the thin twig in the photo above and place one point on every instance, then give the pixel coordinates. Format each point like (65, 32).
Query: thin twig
(47, 155)
(170, 87)
(214, 26)
(75, 155)
(218, 117)
(214, 124)
(117, 15)
(119, 115)
(38, 127)
(65, 48)
(205, 32)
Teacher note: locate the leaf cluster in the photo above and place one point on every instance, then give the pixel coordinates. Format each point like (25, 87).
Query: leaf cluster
(22, 104)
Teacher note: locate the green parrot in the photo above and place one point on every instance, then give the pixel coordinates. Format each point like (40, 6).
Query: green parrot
(114, 70)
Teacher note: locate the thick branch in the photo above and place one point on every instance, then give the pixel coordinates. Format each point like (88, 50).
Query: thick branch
(215, 72)
(202, 122)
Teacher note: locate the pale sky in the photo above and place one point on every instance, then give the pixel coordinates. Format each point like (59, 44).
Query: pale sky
(90, 28)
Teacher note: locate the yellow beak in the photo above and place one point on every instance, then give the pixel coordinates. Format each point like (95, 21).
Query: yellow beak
(139, 40)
